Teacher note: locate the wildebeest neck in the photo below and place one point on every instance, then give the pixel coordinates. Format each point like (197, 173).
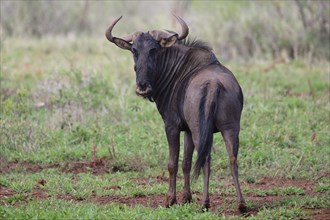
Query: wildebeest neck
(176, 66)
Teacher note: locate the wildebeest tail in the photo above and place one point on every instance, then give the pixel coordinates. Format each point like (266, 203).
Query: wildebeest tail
(207, 110)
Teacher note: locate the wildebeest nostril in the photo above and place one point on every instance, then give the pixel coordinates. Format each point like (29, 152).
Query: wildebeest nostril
(143, 85)
(143, 88)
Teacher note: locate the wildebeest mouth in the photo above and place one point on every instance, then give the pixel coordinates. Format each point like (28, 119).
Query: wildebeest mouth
(146, 92)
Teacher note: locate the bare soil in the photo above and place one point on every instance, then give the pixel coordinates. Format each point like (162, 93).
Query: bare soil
(223, 204)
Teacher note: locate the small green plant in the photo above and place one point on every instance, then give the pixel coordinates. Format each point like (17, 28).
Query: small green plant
(17, 198)
(323, 187)
(281, 213)
(250, 179)
(21, 186)
(292, 190)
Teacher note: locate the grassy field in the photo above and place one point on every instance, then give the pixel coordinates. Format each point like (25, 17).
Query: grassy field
(77, 143)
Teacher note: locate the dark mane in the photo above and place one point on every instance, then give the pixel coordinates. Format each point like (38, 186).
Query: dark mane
(194, 43)
(176, 66)
(198, 44)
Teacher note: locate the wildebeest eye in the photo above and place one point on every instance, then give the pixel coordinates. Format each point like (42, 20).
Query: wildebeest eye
(135, 52)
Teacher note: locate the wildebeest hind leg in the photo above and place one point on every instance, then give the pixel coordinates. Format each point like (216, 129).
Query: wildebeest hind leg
(232, 144)
(186, 165)
(206, 171)
(173, 138)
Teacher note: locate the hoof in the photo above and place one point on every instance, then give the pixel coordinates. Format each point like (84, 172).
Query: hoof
(205, 207)
(187, 199)
(242, 207)
(170, 201)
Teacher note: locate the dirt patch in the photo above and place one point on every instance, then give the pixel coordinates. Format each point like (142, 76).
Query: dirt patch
(8, 196)
(25, 167)
(6, 192)
(38, 193)
(319, 214)
(98, 167)
(267, 183)
(221, 203)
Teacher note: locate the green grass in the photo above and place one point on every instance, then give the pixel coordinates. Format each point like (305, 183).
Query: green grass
(68, 210)
(60, 97)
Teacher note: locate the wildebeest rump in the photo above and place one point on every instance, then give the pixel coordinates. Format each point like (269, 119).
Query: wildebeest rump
(194, 93)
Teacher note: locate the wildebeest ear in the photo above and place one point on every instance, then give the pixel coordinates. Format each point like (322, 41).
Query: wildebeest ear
(168, 42)
(123, 44)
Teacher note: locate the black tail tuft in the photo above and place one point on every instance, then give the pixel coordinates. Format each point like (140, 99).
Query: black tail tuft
(206, 131)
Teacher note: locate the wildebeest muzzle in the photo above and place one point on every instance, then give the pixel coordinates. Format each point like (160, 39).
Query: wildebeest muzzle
(143, 89)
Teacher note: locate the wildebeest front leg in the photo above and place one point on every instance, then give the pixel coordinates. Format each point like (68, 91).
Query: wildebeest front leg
(186, 165)
(232, 144)
(173, 138)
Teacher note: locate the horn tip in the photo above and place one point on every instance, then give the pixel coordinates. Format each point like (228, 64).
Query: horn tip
(120, 17)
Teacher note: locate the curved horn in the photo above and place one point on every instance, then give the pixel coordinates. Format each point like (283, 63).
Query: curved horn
(184, 26)
(108, 33)
(128, 38)
(123, 43)
(158, 35)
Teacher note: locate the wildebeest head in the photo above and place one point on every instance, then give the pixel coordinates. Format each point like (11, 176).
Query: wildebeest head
(145, 48)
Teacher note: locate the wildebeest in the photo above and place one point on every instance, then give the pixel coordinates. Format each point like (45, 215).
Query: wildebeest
(194, 93)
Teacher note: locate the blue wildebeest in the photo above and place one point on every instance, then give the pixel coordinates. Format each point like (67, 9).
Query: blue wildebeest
(194, 93)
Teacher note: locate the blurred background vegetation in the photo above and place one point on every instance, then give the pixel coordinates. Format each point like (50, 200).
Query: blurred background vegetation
(241, 30)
